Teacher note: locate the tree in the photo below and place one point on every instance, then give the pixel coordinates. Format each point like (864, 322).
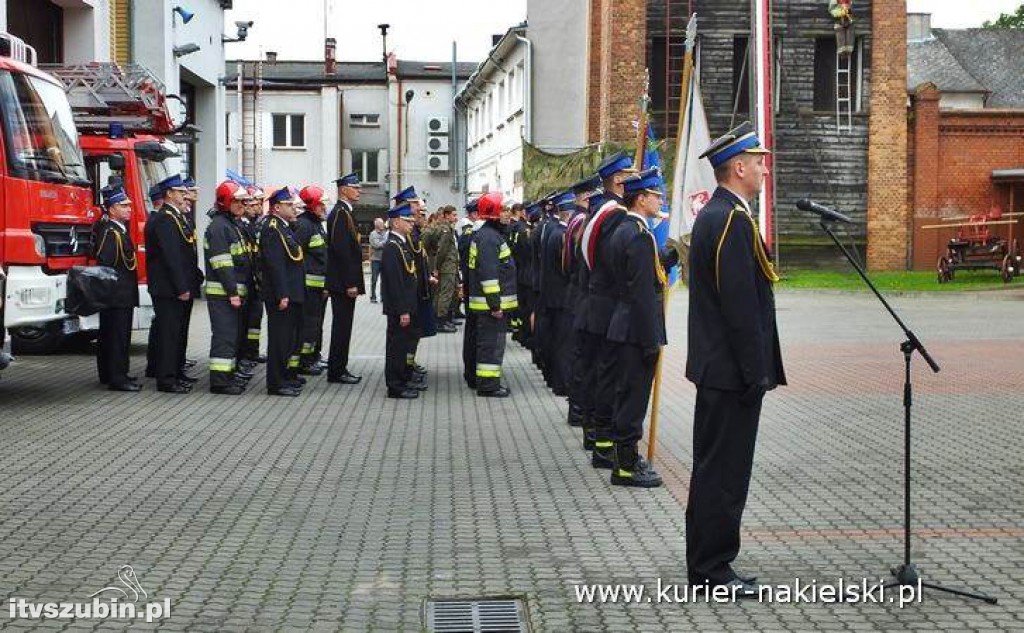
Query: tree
(1008, 20)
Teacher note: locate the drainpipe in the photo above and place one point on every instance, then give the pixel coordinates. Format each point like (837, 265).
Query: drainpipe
(453, 151)
(528, 92)
(241, 119)
(398, 175)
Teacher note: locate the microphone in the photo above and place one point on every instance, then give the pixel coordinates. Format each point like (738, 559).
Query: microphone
(827, 213)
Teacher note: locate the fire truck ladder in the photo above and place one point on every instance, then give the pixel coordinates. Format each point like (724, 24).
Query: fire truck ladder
(106, 94)
(844, 93)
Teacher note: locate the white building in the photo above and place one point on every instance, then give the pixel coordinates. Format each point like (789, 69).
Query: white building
(560, 88)
(496, 110)
(188, 57)
(82, 27)
(424, 145)
(307, 122)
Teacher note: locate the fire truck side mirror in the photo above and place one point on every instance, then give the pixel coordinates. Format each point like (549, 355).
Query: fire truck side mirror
(116, 162)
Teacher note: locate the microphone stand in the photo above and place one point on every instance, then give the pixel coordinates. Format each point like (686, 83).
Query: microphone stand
(906, 574)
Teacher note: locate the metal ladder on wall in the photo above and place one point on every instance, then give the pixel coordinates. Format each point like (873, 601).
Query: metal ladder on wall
(844, 93)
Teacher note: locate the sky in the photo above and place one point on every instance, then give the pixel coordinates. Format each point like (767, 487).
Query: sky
(421, 30)
(961, 14)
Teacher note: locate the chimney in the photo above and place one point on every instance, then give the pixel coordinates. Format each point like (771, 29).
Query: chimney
(919, 27)
(271, 56)
(330, 44)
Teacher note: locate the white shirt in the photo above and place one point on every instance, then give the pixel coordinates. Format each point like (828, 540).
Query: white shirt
(746, 205)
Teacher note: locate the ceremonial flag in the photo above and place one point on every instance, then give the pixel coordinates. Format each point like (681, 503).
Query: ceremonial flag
(693, 179)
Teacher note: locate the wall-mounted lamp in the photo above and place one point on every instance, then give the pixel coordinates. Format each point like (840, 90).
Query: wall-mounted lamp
(186, 15)
(185, 49)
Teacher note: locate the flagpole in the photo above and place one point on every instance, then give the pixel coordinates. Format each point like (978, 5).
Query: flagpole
(641, 124)
(684, 102)
(764, 105)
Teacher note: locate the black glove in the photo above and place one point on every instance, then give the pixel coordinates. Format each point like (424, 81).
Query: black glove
(753, 393)
(651, 354)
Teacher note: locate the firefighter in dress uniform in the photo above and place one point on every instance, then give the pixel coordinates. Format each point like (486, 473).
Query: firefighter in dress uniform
(174, 280)
(114, 249)
(344, 277)
(309, 230)
(554, 290)
(284, 292)
(491, 285)
(601, 298)
(399, 301)
(426, 321)
(733, 356)
(636, 332)
(575, 301)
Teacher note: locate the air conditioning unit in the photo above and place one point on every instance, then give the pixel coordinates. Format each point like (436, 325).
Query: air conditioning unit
(437, 144)
(437, 162)
(437, 125)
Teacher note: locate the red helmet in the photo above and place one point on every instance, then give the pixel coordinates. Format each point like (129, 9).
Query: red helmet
(227, 192)
(489, 206)
(311, 195)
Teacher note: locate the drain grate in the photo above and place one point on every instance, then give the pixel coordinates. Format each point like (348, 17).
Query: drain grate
(477, 616)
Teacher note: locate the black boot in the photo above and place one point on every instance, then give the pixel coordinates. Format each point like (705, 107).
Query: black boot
(575, 415)
(603, 455)
(633, 470)
(588, 435)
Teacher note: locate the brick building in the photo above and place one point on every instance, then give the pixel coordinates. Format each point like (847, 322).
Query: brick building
(966, 131)
(859, 167)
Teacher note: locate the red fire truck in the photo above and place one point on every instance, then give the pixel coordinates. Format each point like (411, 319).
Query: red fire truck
(46, 211)
(127, 123)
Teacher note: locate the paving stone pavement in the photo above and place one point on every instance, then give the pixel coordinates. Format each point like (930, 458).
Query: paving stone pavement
(342, 510)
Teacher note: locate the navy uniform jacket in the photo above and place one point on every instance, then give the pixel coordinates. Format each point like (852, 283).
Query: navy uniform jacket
(639, 315)
(172, 263)
(310, 233)
(463, 241)
(282, 259)
(733, 338)
(115, 249)
(522, 252)
(554, 281)
(537, 246)
(344, 255)
(603, 291)
(398, 278)
(571, 259)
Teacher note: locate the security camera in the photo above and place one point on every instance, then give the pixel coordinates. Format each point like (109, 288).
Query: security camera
(243, 29)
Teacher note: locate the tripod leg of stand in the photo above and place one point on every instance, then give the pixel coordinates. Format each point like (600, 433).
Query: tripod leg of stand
(906, 574)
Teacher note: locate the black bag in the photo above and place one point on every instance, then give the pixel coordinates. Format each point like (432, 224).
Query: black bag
(91, 289)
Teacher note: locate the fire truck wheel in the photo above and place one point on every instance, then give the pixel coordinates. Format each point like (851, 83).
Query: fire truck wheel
(41, 339)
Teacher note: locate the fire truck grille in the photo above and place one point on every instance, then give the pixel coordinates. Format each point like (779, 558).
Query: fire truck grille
(65, 240)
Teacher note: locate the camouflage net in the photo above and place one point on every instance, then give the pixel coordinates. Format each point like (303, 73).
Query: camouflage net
(545, 173)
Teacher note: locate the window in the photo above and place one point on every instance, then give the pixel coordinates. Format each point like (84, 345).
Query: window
(364, 163)
(289, 130)
(364, 120)
(500, 105)
(740, 74)
(510, 106)
(825, 74)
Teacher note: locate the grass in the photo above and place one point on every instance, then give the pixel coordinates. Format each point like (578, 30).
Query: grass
(911, 281)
